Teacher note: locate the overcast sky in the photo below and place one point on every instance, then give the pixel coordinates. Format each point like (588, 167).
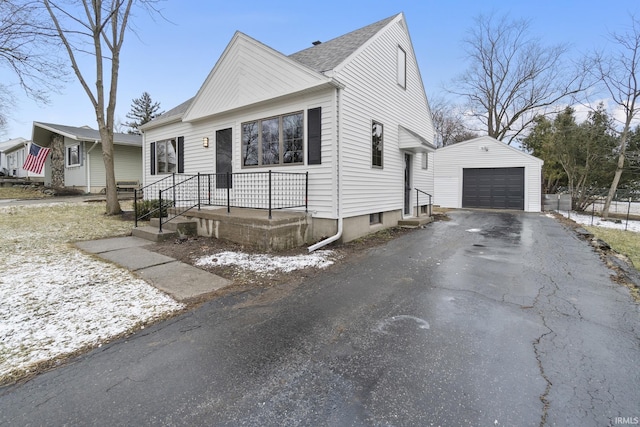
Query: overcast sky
(170, 60)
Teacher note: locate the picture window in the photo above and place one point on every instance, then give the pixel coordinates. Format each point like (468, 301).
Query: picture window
(273, 141)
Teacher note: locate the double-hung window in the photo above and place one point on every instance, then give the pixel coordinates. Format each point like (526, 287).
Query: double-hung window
(73, 155)
(273, 141)
(166, 156)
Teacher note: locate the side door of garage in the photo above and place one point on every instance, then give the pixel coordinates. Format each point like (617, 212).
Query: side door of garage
(493, 188)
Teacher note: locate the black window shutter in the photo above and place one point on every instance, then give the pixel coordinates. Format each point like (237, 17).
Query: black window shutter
(152, 161)
(314, 135)
(181, 154)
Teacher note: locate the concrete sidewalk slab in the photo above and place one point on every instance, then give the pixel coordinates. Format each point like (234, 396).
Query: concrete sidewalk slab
(182, 281)
(135, 258)
(112, 244)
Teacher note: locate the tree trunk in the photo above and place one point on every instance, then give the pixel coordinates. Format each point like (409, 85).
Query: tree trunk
(113, 205)
(620, 166)
(614, 186)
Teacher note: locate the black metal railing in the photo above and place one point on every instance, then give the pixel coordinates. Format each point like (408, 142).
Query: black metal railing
(146, 204)
(177, 194)
(418, 192)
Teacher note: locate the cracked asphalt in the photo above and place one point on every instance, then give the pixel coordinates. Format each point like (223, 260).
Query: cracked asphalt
(490, 319)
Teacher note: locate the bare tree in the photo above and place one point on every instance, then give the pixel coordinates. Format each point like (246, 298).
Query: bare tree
(28, 49)
(98, 29)
(619, 72)
(512, 77)
(449, 122)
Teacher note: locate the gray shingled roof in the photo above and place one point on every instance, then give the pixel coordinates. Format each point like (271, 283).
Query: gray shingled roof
(85, 133)
(175, 112)
(11, 144)
(323, 57)
(328, 55)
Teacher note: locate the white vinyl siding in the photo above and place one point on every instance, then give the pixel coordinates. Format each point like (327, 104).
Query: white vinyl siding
(251, 82)
(127, 163)
(322, 192)
(14, 161)
(451, 160)
(75, 175)
(98, 176)
(248, 72)
(423, 179)
(372, 93)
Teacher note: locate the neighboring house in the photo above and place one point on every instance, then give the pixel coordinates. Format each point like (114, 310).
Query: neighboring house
(80, 163)
(352, 112)
(486, 173)
(12, 156)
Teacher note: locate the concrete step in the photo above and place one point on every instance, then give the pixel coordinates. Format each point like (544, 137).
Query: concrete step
(153, 234)
(415, 222)
(181, 225)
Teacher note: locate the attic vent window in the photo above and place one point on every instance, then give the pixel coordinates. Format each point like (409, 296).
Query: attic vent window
(316, 43)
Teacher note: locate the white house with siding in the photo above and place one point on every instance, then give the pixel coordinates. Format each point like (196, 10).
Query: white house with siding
(352, 112)
(487, 173)
(12, 156)
(83, 164)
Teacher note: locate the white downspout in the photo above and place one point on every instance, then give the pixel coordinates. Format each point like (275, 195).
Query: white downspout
(89, 166)
(338, 178)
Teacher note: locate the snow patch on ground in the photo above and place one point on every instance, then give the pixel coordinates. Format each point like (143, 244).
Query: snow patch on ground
(57, 300)
(596, 221)
(265, 264)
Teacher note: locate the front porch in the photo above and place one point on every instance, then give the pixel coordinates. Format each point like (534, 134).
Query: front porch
(253, 228)
(250, 227)
(250, 204)
(267, 211)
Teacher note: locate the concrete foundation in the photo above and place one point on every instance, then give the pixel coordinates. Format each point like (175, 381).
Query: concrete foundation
(285, 230)
(252, 227)
(359, 226)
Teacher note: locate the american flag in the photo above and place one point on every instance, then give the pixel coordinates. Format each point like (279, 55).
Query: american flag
(35, 159)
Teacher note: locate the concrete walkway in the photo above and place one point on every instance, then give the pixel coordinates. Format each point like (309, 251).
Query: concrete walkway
(181, 281)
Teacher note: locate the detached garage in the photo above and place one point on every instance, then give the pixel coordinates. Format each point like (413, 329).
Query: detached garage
(489, 174)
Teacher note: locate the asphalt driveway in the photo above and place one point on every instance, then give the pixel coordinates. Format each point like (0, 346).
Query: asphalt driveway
(491, 318)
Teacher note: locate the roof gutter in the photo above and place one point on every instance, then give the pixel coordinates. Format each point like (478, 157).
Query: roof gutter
(338, 179)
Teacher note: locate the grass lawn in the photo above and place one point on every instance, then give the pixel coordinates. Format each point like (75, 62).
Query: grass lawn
(58, 301)
(21, 193)
(624, 242)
